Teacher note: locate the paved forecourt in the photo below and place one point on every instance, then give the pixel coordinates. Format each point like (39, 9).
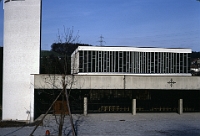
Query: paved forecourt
(154, 124)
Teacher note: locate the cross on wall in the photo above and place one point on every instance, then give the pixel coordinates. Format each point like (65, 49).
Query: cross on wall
(171, 82)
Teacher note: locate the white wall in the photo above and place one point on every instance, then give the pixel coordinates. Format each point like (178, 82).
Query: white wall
(119, 82)
(21, 56)
(75, 62)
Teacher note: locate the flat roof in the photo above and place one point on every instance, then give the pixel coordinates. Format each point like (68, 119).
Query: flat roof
(134, 49)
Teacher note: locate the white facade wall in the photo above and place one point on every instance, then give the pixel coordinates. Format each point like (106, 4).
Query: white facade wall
(75, 62)
(118, 82)
(21, 56)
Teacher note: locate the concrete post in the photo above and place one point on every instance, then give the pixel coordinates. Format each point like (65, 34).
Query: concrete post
(134, 106)
(32, 99)
(85, 106)
(180, 106)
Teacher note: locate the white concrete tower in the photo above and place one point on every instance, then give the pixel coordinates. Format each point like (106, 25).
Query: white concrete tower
(22, 28)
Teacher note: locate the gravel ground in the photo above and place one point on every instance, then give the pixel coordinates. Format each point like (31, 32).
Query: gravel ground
(142, 124)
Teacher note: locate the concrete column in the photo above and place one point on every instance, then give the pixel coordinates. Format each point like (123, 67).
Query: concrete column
(85, 106)
(32, 98)
(134, 106)
(180, 106)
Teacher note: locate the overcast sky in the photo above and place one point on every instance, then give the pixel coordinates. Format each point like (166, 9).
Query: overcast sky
(138, 23)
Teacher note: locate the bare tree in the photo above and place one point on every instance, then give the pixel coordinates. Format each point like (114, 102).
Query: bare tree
(66, 82)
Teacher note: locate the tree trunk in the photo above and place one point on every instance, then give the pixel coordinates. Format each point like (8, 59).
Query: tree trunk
(70, 115)
(62, 115)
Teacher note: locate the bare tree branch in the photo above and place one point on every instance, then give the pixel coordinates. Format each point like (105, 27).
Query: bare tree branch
(45, 114)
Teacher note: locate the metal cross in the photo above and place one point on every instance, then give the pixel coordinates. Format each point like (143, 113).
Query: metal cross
(171, 82)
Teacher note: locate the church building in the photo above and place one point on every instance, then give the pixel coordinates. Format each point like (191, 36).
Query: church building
(157, 79)
(102, 80)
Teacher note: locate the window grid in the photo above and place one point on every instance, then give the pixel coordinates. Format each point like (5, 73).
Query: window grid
(133, 62)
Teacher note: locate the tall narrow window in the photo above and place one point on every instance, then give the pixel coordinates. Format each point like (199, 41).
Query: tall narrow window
(181, 63)
(93, 61)
(120, 61)
(152, 62)
(89, 62)
(80, 61)
(85, 61)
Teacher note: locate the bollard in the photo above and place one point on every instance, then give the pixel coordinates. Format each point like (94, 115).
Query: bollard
(134, 106)
(85, 106)
(180, 106)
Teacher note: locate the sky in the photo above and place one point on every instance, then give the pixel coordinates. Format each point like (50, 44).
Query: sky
(137, 23)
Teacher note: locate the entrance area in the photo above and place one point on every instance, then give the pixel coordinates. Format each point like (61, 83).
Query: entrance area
(120, 101)
(117, 101)
(110, 101)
